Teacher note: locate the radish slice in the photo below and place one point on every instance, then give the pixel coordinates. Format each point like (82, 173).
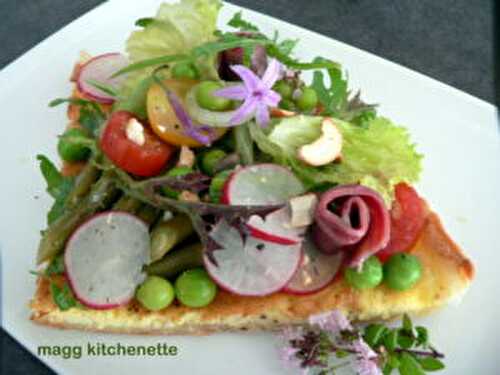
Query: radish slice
(316, 271)
(262, 184)
(253, 268)
(99, 70)
(275, 228)
(104, 259)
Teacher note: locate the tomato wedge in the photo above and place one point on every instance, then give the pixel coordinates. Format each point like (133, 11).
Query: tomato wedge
(407, 220)
(162, 116)
(146, 159)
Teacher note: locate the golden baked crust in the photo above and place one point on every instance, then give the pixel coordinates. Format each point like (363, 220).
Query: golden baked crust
(446, 274)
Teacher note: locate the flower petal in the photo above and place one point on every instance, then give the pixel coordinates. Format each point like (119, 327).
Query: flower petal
(234, 92)
(262, 115)
(272, 98)
(187, 123)
(333, 321)
(272, 73)
(244, 112)
(249, 78)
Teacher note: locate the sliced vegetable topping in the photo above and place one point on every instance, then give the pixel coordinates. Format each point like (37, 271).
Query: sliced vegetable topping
(169, 119)
(95, 81)
(142, 159)
(261, 184)
(408, 214)
(253, 267)
(317, 270)
(276, 227)
(104, 259)
(351, 218)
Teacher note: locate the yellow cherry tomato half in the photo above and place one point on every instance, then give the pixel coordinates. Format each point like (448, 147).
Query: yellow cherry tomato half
(162, 116)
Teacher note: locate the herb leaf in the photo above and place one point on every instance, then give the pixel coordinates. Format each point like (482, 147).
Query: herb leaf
(91, 115)
(58, 187)
(105, 88)
(422, 336)
(144, 22)
(334, 97)
(239, 23)
(374, 334)
(91, 119)
(51, 174)
(56, 266)
(153, 62)
(391, 339)
(431, 364)
(409, 365)
(57, 208)
(63, 297)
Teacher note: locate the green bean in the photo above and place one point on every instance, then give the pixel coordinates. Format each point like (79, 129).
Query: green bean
(167, 234)
(54, 237)
(127, 204)
(177, 261)
(83, 184)
(148, 213)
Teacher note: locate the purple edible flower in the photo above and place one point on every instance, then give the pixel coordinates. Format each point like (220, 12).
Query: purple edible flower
(366, 359)
(255, 93)
(203, 134)
(332, 321)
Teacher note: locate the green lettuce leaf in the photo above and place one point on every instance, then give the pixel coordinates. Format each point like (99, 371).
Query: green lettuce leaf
(379, 155)
(176, 29)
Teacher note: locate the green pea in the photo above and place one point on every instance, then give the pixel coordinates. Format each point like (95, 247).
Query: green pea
(210, 159)
(402, 271)
(284, 89)
(194, 288)
(287, 104)
(175, 172)
(155, 293)
(307, 100)
(206, 99)
(72, 151)
(217, 185)
(185, 70)
(368, 277)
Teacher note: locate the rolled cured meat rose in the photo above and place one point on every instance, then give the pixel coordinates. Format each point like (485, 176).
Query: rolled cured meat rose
(351, 218)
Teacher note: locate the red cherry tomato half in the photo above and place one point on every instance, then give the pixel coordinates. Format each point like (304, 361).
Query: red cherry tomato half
(407, 220)
(143, 160)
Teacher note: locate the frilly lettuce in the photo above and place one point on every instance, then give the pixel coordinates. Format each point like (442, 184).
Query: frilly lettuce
(379, 155)
(176, 29)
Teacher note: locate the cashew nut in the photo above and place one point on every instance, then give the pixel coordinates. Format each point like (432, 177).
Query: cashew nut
(325, 149)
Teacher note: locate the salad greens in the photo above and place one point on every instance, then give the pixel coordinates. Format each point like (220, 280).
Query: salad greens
(58, 186)
(379, 155)
(175, 29)
(91, 116)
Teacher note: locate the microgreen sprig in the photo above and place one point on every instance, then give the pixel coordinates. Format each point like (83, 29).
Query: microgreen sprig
(374, 349)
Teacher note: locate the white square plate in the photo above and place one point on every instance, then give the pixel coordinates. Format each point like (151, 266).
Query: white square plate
(457, 133)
